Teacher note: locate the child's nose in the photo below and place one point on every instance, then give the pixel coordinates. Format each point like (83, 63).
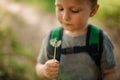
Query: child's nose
(66, 16)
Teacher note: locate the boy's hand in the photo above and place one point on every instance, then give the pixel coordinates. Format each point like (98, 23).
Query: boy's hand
(51, 68)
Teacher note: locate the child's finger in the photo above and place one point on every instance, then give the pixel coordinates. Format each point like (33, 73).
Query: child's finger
(55, 60)
(52, 62)
(52, 74)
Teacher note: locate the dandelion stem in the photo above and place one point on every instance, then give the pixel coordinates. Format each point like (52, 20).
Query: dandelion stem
(54, 52)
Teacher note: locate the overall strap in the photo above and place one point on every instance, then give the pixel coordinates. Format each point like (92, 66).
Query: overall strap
(75, 50)
(56, 33)
(94, 41)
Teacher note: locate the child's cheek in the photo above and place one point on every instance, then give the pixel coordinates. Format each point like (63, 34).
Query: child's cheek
(77, 21)
(59, 17)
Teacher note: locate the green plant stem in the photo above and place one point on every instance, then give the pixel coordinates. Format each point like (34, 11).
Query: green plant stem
(54, 52)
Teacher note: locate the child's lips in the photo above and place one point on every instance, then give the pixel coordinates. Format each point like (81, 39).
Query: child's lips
(67, 24)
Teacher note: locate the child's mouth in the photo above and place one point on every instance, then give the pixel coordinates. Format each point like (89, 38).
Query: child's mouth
(67, 24)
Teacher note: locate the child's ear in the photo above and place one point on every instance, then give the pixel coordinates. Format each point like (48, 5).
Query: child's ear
(94, 10)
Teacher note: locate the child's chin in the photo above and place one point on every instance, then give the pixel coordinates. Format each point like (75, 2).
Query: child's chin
(68, 27)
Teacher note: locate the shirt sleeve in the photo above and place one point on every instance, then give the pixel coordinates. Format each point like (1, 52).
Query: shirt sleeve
(108, 59)
(42, 57)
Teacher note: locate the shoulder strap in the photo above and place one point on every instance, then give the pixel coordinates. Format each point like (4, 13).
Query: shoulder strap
(94, 41)
(56, 33)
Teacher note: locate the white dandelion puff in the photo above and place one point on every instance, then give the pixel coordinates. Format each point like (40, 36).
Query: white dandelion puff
(55, 44)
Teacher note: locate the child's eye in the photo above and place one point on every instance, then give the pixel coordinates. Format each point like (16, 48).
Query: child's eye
(60, 9)
(75, 11)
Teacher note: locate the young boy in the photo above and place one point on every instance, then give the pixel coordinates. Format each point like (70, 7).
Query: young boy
(73, 16)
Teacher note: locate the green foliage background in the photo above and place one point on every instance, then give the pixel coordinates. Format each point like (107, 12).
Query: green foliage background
(109, 13)
(44, 5)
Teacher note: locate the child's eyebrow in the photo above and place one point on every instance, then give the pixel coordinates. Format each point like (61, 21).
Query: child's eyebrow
(72, 6)
(56, 4)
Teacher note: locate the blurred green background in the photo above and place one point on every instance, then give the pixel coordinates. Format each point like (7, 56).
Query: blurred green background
(23, 24)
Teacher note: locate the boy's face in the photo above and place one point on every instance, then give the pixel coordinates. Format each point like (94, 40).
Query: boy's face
(73, 14)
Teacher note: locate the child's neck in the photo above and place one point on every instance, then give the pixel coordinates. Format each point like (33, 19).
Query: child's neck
(76, 33)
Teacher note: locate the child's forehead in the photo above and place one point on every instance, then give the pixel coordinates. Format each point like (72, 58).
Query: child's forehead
(72, 1)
